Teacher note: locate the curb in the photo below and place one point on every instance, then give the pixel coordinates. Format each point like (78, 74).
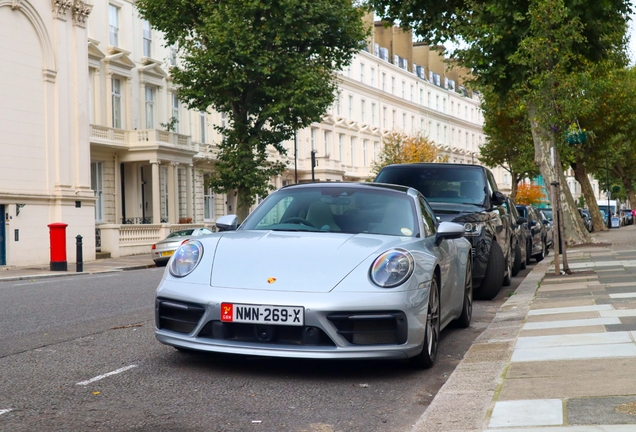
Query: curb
(469, 393)
(69, 274)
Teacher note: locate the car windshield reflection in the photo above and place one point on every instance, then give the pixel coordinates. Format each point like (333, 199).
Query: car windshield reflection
(352, 210)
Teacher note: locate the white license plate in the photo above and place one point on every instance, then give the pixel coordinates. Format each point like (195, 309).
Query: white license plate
(262, 314)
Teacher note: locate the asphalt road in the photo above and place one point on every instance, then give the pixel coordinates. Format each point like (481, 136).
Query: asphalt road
(79, 354)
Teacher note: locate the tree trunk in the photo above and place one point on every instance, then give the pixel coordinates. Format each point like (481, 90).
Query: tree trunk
(575, 232)
(242, 209)
(515, 185)
(631, 196)
(580, 174)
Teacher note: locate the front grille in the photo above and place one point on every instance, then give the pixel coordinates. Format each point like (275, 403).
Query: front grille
(177, 316)
(371, 328)
(269, 334)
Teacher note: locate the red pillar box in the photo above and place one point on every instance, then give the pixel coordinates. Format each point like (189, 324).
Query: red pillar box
(57, 234)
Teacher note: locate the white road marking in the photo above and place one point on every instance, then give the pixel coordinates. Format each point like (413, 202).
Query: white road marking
(4, 411)
(100, 377)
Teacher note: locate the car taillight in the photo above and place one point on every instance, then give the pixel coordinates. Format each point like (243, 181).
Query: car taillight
(154, 246)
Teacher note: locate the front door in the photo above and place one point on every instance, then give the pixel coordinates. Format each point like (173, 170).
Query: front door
(3, 242)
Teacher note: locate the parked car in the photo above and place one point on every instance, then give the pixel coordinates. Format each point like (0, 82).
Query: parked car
(465, 194)
(546, 214)
(587, 219)
(626, 217)
(519, 237)
(164, 249)
(321, 270)
(537, 233)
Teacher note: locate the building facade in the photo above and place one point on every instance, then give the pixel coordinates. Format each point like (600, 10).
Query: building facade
(93, 134)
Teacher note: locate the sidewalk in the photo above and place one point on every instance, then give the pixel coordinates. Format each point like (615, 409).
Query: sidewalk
(98, 266)
(559, 356)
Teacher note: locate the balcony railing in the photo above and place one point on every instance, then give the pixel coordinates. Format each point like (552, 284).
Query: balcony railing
(138, 138)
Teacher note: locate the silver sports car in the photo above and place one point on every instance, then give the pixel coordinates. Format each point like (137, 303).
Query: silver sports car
(321, 270)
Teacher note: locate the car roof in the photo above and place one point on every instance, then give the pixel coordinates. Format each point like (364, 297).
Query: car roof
(349, 185)
(433, 164)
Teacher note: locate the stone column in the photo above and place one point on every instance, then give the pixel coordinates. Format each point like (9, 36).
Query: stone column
(189, 190)
(156, 193)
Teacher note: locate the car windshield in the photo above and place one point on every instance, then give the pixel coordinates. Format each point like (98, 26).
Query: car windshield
(351, 210)
(443, 183)
(181, 233)
(548, 214)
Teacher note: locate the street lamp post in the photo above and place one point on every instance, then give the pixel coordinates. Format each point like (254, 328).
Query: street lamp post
(609, 211)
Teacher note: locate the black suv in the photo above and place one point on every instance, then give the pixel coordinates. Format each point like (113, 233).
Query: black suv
(465, 194)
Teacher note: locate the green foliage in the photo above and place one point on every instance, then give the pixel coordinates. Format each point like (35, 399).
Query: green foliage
(509, 141)
(492, 31)
(268, 64)
(170, 125)
(580, 203)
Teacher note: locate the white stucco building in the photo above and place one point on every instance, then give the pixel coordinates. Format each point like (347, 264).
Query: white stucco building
(85, 105)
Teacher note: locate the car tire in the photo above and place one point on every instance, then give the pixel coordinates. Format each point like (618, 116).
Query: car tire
(539, 257)
(516, 266)
(493, 281)
(467, 308)
(161, 263)
(426, 358)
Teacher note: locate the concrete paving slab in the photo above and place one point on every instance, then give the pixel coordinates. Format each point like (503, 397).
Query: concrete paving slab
(614, 284)
(610, 410)
(586, 293)
(541, 303)
(623, 295)
(560, 331)
(563, 310)
(569, 279)
(563, 317)
(569, 286)
(536, 412)
(571, 323)
(618, 313)
(589, 428)
(573, 340)
(621, 327)
(501, 334)
(562, 379)
(574, 352)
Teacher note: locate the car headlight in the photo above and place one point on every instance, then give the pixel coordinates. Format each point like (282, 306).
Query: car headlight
(392, 268)
(186, 259)
(474, 228)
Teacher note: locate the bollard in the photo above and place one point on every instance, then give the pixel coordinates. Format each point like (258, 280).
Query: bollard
(79, 266)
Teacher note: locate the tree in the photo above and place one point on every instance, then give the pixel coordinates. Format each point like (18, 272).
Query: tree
(531, 47)
(398, 147)
(268, 64)
(529, 194)
(509, 141)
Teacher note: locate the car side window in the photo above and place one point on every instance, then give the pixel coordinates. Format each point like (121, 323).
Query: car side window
(428, 219)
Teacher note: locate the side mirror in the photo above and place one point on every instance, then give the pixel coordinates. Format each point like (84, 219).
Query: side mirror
(521, 220)
(546, 222)
(533, 223)
(227, 223)
(449, 230)
(498, 198)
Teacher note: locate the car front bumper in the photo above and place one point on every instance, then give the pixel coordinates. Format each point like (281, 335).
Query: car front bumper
(363, 327)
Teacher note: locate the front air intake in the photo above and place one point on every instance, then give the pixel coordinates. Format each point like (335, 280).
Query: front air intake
(177, 316)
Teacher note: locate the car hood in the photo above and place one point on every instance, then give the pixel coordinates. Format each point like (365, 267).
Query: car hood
(292, 261)
(461, 213)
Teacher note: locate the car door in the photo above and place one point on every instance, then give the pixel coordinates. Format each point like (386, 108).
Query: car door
(447, 251)
(536, 228)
